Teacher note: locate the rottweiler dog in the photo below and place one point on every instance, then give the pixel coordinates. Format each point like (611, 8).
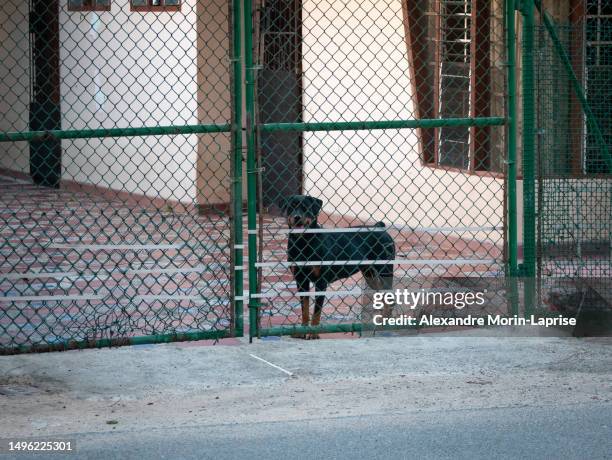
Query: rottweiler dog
(306, 247)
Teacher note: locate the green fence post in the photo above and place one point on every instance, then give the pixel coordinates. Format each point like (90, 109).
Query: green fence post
(512, 234)
(512, 202)
(529, 133)
(251, 167)
(238, 245)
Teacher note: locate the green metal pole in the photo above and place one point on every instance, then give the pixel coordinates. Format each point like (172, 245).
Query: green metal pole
(383, 124)
(512, 202)
(512, 234)
(529, 135)
(113, 132)
(251, 166)
(237, 172)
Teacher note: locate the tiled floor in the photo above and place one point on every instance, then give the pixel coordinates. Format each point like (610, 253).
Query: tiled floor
(78, 265)
(114, 270)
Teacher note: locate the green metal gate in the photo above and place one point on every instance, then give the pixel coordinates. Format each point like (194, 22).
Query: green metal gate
(120, 172)
(394, 115)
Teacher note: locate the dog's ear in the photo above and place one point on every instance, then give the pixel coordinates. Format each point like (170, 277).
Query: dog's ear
(313, 204)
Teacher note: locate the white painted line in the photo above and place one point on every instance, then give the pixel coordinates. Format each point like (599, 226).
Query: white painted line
(253, 231)
(115, 247)
(168, 297)
(448, 229)
(51, 298)
(144, 271)
(242, 297)
(388, 227)
(268, 295)
(273, 365)
(379, 262)
(15, 180)
(238, 267)
(351, 292)
(298, 231)
(239, 246)
(34, 275)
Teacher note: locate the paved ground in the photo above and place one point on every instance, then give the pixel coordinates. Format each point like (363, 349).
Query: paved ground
(422, 385)
(571, 432)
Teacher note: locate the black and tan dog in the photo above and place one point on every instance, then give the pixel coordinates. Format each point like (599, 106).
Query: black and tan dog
(306, 247)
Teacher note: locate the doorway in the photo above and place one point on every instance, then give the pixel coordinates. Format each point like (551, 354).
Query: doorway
(280, 99)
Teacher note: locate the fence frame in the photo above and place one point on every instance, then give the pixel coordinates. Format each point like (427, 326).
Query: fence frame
(243, 103)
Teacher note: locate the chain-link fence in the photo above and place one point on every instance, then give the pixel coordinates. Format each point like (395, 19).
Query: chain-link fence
(381, 158)
(573, 71)
(380, 154)
(118, 172)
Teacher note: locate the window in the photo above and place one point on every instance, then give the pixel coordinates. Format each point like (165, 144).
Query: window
(590, 49)
(155, 5)
(597, 78)
(454, 74)
(88, 5)
(449, 48)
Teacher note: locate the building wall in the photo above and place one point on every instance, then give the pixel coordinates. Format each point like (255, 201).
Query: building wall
(130, 69)
(214, 99)
(356, 68)
(14, 83)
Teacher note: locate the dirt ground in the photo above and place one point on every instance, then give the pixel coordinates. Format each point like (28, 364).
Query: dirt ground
(199, 383)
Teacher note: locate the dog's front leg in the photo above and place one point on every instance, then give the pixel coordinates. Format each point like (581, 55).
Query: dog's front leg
(320, 286)
(303, 286)
(306, 310)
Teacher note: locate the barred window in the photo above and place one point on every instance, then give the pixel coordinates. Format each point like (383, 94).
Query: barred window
(449, 48)
(155, 5)
(88, 5)
(597, 77)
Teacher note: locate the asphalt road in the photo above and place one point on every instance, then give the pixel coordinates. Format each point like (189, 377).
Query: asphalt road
(578, 431)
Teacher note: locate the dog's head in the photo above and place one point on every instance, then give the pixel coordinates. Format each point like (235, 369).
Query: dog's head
(302, 210)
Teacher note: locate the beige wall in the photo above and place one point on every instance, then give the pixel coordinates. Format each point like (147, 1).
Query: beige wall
(128, 69)
(113, 66)
(356, 68)
(14, 82)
